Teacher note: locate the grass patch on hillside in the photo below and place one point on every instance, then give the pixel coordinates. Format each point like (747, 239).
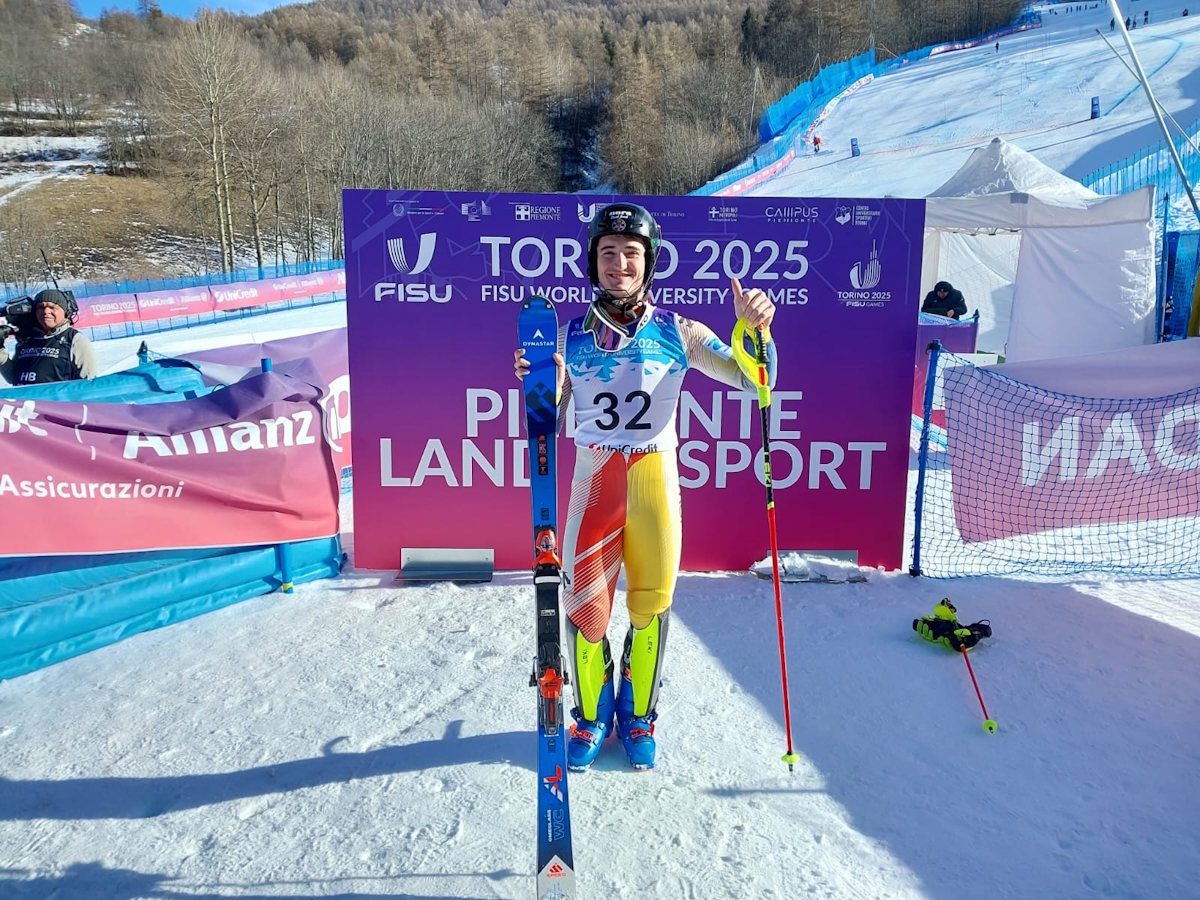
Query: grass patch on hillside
(108, 228)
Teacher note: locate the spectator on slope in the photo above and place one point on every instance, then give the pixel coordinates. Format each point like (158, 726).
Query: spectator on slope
(945, 300)
(816, 144)
(50, 349)
(624, 363)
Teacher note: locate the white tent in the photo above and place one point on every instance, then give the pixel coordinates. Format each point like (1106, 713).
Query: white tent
(1053, 268)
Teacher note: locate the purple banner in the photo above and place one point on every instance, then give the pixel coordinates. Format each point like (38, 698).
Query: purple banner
(434, 281)
(325, 351)
(248, 464)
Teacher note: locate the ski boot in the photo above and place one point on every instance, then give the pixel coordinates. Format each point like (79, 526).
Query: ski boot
(944, 628)
(595, 703)
(641, 665)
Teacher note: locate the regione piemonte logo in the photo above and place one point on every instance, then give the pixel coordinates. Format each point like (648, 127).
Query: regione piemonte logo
(399, 256)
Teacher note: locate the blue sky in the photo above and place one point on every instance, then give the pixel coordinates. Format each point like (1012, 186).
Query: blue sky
(91, 9)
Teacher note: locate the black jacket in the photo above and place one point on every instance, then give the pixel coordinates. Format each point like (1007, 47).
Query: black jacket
(952, 305)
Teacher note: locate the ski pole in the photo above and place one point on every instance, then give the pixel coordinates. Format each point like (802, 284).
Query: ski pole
(755, 368)
(989, 724)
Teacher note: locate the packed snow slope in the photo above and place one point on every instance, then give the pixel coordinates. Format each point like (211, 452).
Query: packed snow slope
(917, 125)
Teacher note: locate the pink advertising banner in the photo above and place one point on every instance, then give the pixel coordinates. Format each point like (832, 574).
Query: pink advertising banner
(180, 302)
(150, 306)
(248, 464)
(434, 282)
(295, 287)
(107, 309)
(1026, 458)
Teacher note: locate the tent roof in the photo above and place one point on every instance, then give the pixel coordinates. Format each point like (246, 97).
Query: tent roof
(1001, 168)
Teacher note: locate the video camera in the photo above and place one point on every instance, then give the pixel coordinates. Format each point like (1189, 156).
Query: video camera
(18, 316)
(19, 313)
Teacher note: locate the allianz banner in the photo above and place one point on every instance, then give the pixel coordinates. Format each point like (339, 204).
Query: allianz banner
(247, 464)
(433, 284)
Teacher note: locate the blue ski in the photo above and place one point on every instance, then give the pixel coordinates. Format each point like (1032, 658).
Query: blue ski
(537, 331)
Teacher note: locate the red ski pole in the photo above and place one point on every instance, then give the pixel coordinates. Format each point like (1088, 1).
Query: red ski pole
(989, 724)
(756, 368)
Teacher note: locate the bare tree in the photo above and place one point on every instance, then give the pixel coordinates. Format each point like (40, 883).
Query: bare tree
(205, 88)
(27, 231)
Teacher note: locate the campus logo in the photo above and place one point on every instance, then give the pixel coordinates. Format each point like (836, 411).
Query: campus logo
(476, 210)
(399, 257)
(864, 276)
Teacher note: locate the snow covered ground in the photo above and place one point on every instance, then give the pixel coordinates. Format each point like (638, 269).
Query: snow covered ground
(28, 161)
(916, 126)
(362, 739)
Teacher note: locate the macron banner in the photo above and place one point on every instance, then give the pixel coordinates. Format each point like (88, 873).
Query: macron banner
(248, 464)
(433, 285)
(1048, 457)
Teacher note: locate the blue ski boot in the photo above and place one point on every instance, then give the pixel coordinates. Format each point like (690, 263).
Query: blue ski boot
(637, 732)
(596, 704)
(588, 735)
(637, 698)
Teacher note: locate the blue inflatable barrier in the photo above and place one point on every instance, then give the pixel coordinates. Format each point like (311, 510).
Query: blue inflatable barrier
(56, 607)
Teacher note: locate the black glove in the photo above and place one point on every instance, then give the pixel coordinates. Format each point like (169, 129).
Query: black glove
(6, 331)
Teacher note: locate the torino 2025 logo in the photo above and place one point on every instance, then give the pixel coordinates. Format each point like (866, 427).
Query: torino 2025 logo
(864, 276)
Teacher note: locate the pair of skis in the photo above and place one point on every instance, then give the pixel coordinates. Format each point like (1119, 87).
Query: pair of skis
(537, 332)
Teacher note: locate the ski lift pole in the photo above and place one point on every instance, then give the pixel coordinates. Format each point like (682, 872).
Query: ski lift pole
(1154, 107)
(755, 368)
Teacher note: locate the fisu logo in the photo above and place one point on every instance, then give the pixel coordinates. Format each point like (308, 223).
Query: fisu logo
(586, 213)
(396, 252)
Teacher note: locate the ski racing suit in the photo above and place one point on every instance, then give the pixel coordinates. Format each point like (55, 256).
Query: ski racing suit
(625, 503)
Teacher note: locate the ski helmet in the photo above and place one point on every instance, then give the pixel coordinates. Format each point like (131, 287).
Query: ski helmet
(630, 220)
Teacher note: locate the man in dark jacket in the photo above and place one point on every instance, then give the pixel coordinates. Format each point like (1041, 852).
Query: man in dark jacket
(51, 350)
(945, 300)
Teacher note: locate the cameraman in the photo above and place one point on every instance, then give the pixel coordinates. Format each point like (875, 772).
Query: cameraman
(51, 350)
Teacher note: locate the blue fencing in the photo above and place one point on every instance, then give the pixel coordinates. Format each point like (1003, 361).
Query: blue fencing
(810, 97)
(1153, 166)
(131, 329)
(96, 289)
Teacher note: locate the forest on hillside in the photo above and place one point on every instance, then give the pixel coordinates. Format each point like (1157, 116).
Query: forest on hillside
(253, 125)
